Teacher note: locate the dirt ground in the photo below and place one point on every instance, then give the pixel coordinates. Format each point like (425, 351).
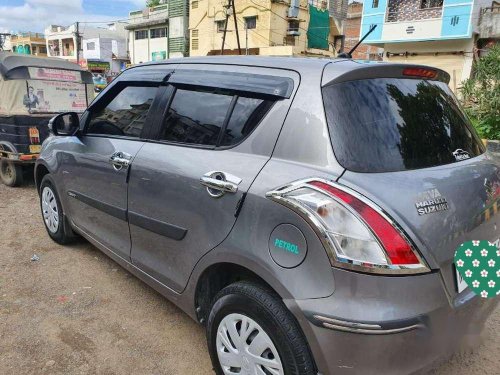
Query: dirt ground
(75, 311)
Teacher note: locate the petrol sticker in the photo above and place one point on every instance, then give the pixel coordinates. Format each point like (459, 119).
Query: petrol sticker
(290, 247)
(287, 246)
(431, 201)
(478, 262)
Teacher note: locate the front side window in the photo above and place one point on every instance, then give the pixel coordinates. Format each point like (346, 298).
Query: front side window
(195, 117)
(90, 46)
(394, 124)
(125, 114)
(375, 4)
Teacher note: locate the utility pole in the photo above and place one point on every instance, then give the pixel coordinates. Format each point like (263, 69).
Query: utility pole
(229, 5)
(236, 27)
(246, 39)
(78, 43)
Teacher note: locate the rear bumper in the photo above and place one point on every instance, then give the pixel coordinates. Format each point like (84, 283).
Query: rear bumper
(375, 334)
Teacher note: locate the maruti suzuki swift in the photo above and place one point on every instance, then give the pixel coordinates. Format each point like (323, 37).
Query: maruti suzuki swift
(305, 211)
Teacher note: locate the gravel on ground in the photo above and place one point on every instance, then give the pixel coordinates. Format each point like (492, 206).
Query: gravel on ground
(75, 311)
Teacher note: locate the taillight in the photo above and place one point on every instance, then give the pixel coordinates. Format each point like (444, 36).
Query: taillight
(356, 233)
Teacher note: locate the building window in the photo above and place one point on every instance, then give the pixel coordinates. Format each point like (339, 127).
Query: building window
(375, 4)
(195, 44)
(293, 26)
(426, 4)
(251, 22)
(91, 46)
(289, 40)
(194, 4)
(220, 25)
(141, 34)
(160, 32)
(194, 33)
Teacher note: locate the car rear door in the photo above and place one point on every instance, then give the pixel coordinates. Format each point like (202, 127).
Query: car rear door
(218, 130)
(407, 146)
(95, 168)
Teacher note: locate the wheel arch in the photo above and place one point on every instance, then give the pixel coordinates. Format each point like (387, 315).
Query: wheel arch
(40, 171)
(217, 275)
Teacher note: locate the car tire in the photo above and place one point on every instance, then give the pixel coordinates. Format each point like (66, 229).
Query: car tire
(52, 213)
(11, 173)
(269, 325)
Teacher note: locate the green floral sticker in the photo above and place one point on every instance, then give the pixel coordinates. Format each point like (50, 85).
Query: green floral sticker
(479, 264)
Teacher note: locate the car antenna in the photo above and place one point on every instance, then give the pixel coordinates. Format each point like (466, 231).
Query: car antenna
(348, 55)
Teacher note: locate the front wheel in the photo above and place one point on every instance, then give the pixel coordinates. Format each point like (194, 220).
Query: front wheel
(250, 331)
(52, 213)
(11, 173)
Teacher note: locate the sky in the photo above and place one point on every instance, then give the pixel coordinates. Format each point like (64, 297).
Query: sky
(36, 15)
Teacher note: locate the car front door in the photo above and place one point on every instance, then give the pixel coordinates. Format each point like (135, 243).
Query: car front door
(186, 187)
(95, 172)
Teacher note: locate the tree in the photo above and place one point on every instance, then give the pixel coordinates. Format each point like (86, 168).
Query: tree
(481, 95)
(152, 3)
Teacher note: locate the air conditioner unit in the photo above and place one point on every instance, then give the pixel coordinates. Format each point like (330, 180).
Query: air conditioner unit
(293, 32)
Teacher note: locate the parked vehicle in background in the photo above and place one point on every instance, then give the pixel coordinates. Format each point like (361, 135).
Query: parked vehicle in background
(100, 82)
(306, 211)
(32, 90)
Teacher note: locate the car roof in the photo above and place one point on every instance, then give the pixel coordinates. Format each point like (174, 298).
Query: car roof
(305, 66)
(298, 64)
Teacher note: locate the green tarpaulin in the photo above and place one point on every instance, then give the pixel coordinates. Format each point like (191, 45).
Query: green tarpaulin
(319, 28)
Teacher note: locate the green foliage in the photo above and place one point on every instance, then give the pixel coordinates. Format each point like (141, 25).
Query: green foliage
(152, 3)
(481, 95)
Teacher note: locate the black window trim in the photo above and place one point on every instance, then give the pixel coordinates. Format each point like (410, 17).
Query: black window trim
(108, 97)
(167, 102)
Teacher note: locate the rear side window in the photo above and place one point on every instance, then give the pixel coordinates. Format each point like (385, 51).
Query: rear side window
(195, 117)
(389, 124)
(215, 117)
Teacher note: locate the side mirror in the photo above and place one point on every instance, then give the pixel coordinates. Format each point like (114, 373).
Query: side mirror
(65, 123)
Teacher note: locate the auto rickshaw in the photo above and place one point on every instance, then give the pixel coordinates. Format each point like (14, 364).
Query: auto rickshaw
(33, 90)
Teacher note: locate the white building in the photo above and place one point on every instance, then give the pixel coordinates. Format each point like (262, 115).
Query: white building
(159, 33)
(102, 50)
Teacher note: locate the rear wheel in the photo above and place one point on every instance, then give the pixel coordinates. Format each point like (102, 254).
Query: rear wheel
(250, 331)
(52, 213)
(11, 173)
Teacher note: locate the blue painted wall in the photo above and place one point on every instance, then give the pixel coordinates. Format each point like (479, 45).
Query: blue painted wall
(456, 19)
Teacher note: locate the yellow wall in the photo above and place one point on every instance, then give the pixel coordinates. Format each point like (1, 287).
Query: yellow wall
(269, 32)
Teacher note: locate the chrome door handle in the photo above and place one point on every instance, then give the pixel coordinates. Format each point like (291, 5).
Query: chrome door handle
(120, 159)
(220, 183)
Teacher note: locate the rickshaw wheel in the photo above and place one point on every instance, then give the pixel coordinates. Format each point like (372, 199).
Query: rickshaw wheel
(11, 174)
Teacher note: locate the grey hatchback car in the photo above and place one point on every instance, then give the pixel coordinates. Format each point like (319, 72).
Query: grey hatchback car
(306, 211)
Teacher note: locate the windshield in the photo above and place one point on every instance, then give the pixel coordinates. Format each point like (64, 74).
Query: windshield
(389, 124)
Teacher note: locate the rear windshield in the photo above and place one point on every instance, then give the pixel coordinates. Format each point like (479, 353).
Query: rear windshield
(389, 124)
